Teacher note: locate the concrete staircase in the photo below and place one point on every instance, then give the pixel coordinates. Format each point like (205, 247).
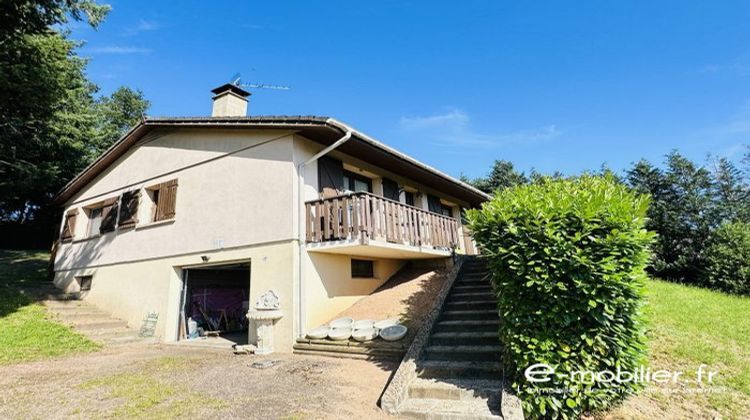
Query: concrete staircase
(459, 375)
(87, 319)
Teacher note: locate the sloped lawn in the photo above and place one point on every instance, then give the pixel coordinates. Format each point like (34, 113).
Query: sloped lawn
(690, 326)
(26, 331)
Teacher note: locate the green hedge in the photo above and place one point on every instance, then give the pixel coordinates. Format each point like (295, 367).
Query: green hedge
(728, 259)
(567, 259)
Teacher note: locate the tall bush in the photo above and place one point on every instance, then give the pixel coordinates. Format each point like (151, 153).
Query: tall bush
(567, 259)
(728, 259)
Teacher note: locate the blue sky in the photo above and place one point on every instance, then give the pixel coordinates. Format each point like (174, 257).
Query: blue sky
(550, 85)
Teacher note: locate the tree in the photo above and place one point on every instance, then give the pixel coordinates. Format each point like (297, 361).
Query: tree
(46, 119)
(731, 192)
(502, 175)
(682, 213)
(116, 114)
(19, 18)
(50, 124)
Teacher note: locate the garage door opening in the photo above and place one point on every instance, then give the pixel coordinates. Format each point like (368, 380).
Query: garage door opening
(215, 304)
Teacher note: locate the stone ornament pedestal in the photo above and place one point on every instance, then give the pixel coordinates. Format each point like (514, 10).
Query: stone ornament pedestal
(264, 315)
(264, 329)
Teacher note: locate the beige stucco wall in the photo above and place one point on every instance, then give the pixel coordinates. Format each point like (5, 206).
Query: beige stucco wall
(330, 288)
(131, 290)
(234, 200)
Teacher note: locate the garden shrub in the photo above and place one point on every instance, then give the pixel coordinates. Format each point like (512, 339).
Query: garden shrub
(567, 259)
(728, 259)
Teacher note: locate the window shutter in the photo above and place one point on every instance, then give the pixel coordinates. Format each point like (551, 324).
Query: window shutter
(330, 174)
(109, 215)
(390, 189)
(165, 207)
(129, 209)
(69, 225)
(434, 204)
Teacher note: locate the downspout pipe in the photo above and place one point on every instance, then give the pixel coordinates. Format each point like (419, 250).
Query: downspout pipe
(301, 226)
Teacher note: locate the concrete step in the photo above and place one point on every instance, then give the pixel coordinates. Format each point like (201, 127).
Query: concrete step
(98, 324)
(378, 343)
(473, 314)
(459, 369)
(106, 333)
(456, 389)
(472, 289)
(483, 325)
(349, 352)
(460, 305)
(470, 282)
(61, 296)
(66, 303)
(79, 314)
(376, 357)
(467, 338)
(347, 349)
(122, 339)
(436, 409)
(462, 295)
(71, 307)
(487, 353)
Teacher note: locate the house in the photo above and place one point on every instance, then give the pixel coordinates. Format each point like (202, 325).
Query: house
(200, 217)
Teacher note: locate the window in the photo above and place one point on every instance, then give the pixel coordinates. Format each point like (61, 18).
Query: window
(84, 283)
(436, 206)
(95, 220)
(163, 199)
(357, 183)
(362, 269)
(409, 198)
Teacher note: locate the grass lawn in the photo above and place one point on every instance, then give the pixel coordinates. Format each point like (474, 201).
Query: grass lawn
(26, 331)
(690, 326)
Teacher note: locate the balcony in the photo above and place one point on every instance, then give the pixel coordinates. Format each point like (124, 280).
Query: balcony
(364, 224)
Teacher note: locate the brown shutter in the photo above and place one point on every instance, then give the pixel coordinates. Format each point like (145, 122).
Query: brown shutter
(330, 174)
(69, 225)
(390, 189)
(109, 215)
(165, 206)
(129, 209)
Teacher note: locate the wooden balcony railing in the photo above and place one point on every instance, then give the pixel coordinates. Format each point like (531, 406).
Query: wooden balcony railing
(367, 216)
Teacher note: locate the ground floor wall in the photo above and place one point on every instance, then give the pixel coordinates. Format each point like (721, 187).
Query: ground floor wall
(131, 290)
(330, 287)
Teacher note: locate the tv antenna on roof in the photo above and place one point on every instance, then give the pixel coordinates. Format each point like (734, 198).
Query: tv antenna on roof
(237, 81)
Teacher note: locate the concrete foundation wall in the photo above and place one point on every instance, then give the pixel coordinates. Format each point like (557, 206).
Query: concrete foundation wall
(131, 290)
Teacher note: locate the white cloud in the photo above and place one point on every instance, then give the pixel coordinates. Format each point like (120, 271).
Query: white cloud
(117, 49)
(141, 26)
(454, 127)
(454, 118)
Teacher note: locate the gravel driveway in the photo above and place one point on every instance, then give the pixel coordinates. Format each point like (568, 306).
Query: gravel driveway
(164, 381)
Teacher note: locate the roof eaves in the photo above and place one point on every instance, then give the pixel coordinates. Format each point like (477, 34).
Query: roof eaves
(411, 160)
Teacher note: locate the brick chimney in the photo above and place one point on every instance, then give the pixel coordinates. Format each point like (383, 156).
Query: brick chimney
(229, 101)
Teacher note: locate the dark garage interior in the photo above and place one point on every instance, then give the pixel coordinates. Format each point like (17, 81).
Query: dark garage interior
(217, 299)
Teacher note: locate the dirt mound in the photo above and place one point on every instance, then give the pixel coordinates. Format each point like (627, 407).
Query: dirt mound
(409, 295)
